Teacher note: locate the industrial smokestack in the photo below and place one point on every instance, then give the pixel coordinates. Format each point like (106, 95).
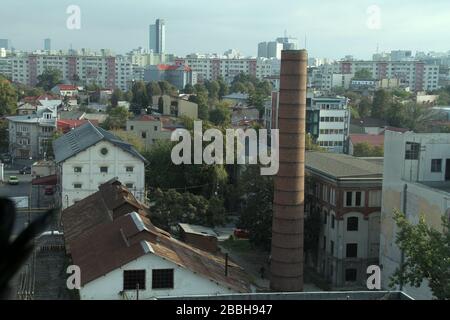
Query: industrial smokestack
(287, 228)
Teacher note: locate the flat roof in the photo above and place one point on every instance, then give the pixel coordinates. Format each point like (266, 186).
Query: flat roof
(341, 166)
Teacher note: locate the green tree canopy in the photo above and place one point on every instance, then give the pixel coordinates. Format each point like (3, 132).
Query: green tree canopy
(116, 96)
(117, 118)
(364, 149)
(221, 114)
(8, 98)
(49, 78)
(427, 255)
(363, 74)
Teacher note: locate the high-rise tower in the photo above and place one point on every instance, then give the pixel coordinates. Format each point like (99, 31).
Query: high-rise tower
(157, 36)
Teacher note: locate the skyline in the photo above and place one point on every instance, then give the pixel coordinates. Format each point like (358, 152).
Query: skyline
(209, 28)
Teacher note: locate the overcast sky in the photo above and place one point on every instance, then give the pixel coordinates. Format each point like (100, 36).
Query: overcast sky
(333, 28)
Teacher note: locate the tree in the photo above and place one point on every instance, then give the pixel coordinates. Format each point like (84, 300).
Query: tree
(4, 136)
(153, 90)
(49, 78)
(364, 149)
(213, 88)
(381, 101)
(364, 107)
(202, 179)
(116, 96)
(117, 118)
(363, 74)
(427, 255)
(257, 213)
(188, 88)
(221, 114)
(8, 98)
(201, 99)
(161, 105)
(224, 89)
(130, 138)
(310, 145)
(140, 98)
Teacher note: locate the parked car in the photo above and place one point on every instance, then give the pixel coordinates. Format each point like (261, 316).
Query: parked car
(49, 191)
(25, 170)
(13, 180)
(241, 233)
(5, 158)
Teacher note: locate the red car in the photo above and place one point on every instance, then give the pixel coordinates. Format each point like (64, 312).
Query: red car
(241, 233)
(49, 191)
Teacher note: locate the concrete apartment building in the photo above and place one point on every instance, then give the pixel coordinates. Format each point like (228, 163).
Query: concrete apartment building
(327, 121)
(88, 156)
(346, 192)
(31, 134)
(415, 75)
(416, 182)
(211, 67)
(105, 69)
(177, 75)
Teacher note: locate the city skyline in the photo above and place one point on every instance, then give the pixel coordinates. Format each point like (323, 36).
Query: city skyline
(207, 28)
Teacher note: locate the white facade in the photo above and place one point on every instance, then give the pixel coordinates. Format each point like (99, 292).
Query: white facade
(417, 182)
(81, 175)
(334, 123)
(186, 282)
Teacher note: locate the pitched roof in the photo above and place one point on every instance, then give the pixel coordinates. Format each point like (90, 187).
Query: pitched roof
(341, 166)
(85, 136)
(66, 87)
(372, 139)
(109, 202)
(112, 245)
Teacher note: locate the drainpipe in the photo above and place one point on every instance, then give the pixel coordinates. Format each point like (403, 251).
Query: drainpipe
(402, 256)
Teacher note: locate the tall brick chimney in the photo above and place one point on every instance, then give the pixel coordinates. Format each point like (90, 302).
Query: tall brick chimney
(288, 205)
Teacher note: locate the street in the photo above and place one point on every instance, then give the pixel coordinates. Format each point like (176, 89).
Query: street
(38, 201)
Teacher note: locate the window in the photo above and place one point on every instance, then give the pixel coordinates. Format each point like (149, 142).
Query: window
(332, 247)
(354, 199)
(436, 165)
(352, 224)
(325, 217)
(104, 151)
(131, 128)
(350, 275)
(333, 220)
(129, 185)
(352, 250)
(104, 169)
(412, 151)
(162, 279)
(77, 185)
(155, 128)
(129, 169)
(348, 199)
(77, 169)
(133, 278)
(144, 135)
(358, 199)
(324, 243)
